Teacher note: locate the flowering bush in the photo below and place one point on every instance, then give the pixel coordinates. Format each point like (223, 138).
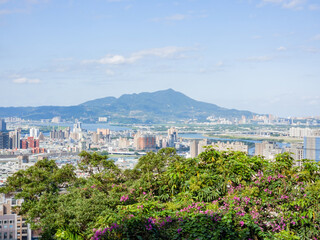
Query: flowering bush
(218, 195)
(249, 198)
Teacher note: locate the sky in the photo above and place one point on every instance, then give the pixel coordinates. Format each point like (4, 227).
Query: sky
(257, 55)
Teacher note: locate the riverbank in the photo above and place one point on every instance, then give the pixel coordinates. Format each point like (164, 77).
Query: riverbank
(255, 138)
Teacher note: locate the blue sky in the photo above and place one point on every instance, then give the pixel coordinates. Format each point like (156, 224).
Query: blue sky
(258, 55)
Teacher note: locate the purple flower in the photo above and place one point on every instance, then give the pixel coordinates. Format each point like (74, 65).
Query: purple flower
(179, 230)
(241, 223)
(124, 198)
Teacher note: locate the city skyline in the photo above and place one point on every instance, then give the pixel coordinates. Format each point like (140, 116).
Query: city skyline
(258, 55)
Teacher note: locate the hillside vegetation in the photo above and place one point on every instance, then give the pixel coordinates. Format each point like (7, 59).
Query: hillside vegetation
(218, 195)
(153, 107)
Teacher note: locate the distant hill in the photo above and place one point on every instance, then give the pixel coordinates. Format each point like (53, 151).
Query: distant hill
(160, 106)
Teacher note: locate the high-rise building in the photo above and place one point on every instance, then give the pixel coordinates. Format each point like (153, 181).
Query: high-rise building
(231, 146)
(67, 132)
(103, 132)
(77, 127)
(60, 134)
(75, 136)
(203, 143)
(172, 136)
(194, 148)
(311, 147)
(3, 125)
(297, 153)
(12, 226)
(15, 139)
(24, 144)
(301, 132)
(34, 132)
(95, 137)
(41, 136)
(30, 142)
(198, 146)
(267, 149)
(124, 142)
(144, 141)
(4, 140)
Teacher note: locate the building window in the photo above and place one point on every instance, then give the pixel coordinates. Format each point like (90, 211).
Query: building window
(5, 222)
(5, 235)
(13, 201)
(11, 221)
(11, 235)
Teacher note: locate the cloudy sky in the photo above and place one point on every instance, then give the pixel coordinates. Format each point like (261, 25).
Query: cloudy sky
(259, 55)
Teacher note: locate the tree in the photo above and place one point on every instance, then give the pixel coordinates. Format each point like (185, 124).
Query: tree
(39, 186)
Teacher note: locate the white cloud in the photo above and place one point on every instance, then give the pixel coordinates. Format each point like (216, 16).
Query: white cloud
(176, 17)
(220, 64)
(311, 49)
(11, 11)
(274, 1)
(317, 37)
(259, 59)
(257, 37)
(67, 59)
(314, 7)
(116, 59)
(36, 1)
(22, 10)
(165, 52)
(23, 80)
(294, 4)
(281, 49)
(181, 17)
(289, 4)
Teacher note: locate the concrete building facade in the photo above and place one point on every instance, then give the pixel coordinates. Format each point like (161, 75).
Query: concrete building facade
(311, 147)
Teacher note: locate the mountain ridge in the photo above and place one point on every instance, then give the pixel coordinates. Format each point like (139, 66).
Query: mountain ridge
(159, 106)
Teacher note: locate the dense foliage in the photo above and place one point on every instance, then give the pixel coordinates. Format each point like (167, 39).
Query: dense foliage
(218, 195)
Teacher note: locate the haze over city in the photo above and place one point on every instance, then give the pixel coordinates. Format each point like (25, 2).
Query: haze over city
(258, 55)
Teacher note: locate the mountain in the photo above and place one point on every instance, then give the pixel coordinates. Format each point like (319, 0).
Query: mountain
(160, 106)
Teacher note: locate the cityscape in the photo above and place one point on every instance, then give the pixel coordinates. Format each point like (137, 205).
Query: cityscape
(24, 142)
(159, 120)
